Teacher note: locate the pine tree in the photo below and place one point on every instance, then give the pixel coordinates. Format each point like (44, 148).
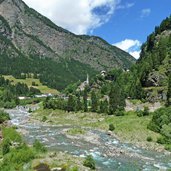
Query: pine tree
(116, 99)
(79, 104)
(104, 106)
(169, 92)
(85, 96)
(94, 102)
(71, 105)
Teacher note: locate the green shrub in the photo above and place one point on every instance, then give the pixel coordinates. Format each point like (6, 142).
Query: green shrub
(119, 113)
(6, 146)
(9, 105)
(12, 134)
(139, 113)
(161, 140)
(44, 119)
(168, 147)
(149, 139)
(111, 127)
(89, 162)
(75, 168)
(4, 116)
(29, 110)
(146, 111)
(21, 155)
(39, 146)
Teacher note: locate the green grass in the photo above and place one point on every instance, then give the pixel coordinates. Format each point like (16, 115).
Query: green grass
(76, 131)
(44, 89)
(130, 127)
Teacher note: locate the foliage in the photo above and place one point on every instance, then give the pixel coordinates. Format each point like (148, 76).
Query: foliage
(103, 106)
(6, 146)
(72, 103)
(94, 101)
(4, 116)
(145, 112)
(117, 99)
(15, 152)
(9, 93)
(111, 127)
(76, 131)
(169, 92)
(89, 162)
(11, 134)
(149, 139)
(39, 146)
(161, 122)
(85, 96)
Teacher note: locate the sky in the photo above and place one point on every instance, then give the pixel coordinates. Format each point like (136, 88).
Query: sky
(123, 23)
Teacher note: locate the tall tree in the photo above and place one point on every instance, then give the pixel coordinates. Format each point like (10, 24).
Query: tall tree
(169, 92)
(79, 103)
(116, 99)
(104, 106)
(94, 101)
(85, 96)
(71, 105)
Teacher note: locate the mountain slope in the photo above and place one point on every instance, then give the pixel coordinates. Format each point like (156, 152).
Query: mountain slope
(154, 65)
(28, 35)
(155, 58)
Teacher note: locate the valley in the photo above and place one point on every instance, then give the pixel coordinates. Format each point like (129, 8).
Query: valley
(71, 102)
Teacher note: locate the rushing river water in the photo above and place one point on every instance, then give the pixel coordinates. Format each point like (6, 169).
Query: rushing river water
(110, 154)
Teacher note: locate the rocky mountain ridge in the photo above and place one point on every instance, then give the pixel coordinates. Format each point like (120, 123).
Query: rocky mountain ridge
(34, 34)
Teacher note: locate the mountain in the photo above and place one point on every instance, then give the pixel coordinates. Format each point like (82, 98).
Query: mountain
(155, 57)
(31, 43)
(154, 65)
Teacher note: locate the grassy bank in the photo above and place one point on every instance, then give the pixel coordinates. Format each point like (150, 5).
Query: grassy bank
(15, 154)
(28, 81)
(129, 128)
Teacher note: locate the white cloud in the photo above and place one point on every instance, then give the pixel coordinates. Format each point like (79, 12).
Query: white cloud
(78, 16)
(145, 12)
(135, 54)
(125, 6)
(130, 46)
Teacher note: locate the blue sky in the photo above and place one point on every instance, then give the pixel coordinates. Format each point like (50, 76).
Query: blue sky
(123, 23)
(135, 22)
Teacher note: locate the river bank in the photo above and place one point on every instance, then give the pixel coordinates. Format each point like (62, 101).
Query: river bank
(129, 128)
(82, 137)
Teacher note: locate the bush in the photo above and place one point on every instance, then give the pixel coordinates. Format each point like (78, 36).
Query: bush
(168, 147)
(149, 139)
(6, 146)
(39, 146)
(89, 162)
(75, 168)
(111, 127)
(119, 113)
(146, 111)
(161, 140)
(4, 116)
(29, 110)
(44, 119)
(12, 134)
(9, 105)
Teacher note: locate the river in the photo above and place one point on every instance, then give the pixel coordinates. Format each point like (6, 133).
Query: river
(109, 153)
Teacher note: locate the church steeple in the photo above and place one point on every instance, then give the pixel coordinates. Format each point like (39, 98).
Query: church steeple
(87, 81)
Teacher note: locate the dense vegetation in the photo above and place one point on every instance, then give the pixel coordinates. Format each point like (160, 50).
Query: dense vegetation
(52, 73)
(161, 123)
(4, 116)
(15, 152)
(9, 93)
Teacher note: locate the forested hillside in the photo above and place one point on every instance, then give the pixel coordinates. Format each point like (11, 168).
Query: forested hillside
(31, 43)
